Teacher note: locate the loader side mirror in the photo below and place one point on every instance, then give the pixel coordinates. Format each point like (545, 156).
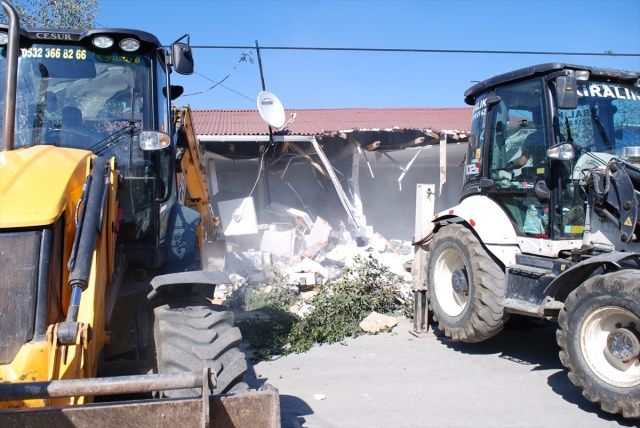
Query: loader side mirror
(182, 56)
(493, 100)
(566, 92)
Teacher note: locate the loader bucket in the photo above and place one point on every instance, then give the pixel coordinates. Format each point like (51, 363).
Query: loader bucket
(254, 408)
(248, 409)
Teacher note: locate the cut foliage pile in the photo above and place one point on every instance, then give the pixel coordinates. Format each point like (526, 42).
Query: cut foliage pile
(334, 314)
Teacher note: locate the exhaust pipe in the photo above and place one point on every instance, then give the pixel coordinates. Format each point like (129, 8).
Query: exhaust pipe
(13, 46)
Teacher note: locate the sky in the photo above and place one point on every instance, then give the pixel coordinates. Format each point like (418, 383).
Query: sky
(312, 79)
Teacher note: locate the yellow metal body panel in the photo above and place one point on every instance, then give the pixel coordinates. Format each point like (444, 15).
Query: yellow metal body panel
(47, 360)
(30, 365)
(37, 182)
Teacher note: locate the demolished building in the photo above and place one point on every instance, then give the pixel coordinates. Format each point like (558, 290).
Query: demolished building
(333, 184)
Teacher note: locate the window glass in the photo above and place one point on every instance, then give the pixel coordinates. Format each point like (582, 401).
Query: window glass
(606, 120)
(519, 138)
(70, 96)
(473, 166)
(162, 95)
(517, 155)
(164, 156)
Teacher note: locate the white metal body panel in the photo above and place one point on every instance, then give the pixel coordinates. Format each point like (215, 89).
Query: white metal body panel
(546, 247)
(487, 218)
(505, 253)
(496, 231)
(606, 234)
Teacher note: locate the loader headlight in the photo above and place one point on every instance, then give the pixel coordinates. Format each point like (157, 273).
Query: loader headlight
(632, 153)
(4, 39)
(129, 45)
(562, 151)
(154, 140)
(102, 42)
(582, 75)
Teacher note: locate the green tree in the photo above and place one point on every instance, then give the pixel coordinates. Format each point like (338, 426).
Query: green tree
(74, 14)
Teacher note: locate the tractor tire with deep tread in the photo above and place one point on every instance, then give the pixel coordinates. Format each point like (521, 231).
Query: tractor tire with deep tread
(477, 314)
(592, 311)
(190, 337)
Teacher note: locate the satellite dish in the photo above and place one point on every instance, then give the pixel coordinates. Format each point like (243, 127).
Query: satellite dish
(271, 109)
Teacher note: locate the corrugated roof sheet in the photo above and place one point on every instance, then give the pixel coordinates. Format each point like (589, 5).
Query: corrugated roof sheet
(323, 121)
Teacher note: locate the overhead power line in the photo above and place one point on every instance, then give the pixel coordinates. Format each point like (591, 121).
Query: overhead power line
(411, 50)
(245, 57)
(238, 93)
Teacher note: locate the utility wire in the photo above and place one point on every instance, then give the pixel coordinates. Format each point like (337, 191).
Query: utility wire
(238, 93)
(411, 50)
(246, 56)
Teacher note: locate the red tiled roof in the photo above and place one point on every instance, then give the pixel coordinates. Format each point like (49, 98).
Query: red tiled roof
(320, 121)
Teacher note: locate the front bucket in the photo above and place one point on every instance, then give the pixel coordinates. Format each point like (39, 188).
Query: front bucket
(248, 409)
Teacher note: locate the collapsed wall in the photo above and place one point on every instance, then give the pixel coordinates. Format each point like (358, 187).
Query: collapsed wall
(283, 208)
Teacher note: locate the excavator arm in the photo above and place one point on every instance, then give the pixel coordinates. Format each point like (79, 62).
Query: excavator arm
(191, 176)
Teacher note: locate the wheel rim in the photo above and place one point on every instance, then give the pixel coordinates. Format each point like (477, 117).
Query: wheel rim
(595, 331)
(451, 302)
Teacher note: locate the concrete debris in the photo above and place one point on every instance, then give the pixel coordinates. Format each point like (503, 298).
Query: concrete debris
(278, 243)
(341, 254)
(240, 262)
(301, 309)
(375, 323)
(378, 243)
(310, 265)
(254, 267)
(318, 237)
(303, 306)
(257, 277)
(304, 279)
(302, 218)
(238, 216)
(307, 296)
(307, 252)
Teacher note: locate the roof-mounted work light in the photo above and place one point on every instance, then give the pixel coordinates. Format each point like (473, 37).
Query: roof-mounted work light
(102, 42)
(129, 45)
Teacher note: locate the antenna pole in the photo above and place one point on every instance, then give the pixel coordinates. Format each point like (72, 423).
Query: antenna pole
(271, 142)
(263, 87)
(260, 67)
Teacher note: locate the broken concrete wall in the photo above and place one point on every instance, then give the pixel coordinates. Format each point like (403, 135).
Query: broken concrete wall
(295, 207)
(314, 243)
(391, 211)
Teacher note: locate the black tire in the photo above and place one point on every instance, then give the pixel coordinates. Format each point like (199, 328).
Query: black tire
(478, 314)
(191, 337)
(613, 298)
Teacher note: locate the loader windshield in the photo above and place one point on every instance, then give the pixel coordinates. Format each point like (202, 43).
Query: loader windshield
(606, 121)
(70, 96)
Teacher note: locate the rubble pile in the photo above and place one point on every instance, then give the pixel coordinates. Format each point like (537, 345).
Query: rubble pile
(308, 252)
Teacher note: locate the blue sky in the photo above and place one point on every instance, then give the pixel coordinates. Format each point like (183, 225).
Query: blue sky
(348, 79)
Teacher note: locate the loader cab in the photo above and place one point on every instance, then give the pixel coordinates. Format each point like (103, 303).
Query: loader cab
(536, 130)
(107, 91)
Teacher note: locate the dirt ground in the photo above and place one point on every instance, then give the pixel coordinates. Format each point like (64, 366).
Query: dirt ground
(398, 380)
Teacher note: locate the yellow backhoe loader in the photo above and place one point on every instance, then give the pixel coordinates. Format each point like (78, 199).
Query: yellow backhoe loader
(104, 311)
